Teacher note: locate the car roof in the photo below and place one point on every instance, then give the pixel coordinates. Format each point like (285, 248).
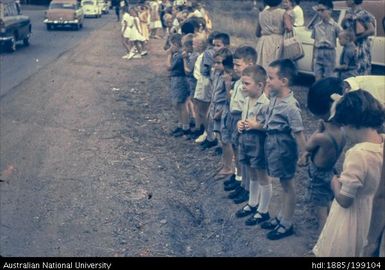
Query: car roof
(7, 1)
(63, 1)
(375, 7)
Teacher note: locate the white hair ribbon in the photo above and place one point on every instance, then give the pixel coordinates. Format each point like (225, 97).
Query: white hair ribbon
(336, 98)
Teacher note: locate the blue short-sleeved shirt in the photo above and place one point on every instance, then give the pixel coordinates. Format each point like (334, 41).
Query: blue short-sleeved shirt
(177, 66)
(219, 88)
(207, 62)
(283, 115)
(325, 34)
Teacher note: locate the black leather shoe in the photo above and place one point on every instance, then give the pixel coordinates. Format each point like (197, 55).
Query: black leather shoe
(209, 144)
(236, 192)
(243, 197)
(257, 218)
(270, 224)
(233, 185)
(246, 210)
(230, 180)
(280, 232)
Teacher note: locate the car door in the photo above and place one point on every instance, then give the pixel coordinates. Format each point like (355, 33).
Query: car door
(79, 12)
(22, 23)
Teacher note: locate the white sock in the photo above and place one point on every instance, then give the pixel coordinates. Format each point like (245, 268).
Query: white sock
(238, 178)
(254, 193)
(265, 197)
(286, 223)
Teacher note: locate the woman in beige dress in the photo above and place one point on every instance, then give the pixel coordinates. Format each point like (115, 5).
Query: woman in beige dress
(270, 29)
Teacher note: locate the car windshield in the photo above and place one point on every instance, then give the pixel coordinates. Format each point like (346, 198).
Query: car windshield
(88, 3)
(61, 6)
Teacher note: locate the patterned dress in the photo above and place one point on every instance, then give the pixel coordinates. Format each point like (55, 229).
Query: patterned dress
(364, 57)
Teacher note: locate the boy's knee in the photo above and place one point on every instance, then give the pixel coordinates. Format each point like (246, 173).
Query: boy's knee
(287, 185)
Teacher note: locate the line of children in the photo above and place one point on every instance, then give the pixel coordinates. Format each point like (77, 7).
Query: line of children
(259, 123)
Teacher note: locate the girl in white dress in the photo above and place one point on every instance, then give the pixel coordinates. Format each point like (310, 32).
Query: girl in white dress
(127, 24)
(133, 32)
(347, 225)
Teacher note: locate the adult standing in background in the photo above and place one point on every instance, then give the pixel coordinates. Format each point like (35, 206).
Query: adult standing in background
(116, 5)
(362, 24)
(270, 29)
(298, 14)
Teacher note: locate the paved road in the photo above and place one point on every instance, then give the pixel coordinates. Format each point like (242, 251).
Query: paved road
(45, 47)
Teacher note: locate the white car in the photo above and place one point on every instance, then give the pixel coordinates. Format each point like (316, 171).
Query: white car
(104, 6)
(91, 8)
(375, 7)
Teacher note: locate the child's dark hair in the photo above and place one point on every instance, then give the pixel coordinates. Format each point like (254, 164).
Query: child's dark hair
(258, 73)
(357, 2)
(247, 53)
(176, 39)
(326, 3)
(227, 57)
(210, 38)
(225, 38)
(189, 27)
(286, 69)
(319, 101)
(360, 110)
(273, 3)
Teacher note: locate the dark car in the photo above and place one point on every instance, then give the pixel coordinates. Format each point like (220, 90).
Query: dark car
(14, 27)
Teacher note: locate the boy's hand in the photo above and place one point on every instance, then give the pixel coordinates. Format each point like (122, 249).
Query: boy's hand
(251, 124)
(184, 54)
(241, 126)
(304, 160)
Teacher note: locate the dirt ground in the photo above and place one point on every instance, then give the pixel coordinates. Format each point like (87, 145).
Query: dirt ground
(108, 180)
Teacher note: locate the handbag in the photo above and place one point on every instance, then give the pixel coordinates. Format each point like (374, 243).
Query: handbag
(292, 47)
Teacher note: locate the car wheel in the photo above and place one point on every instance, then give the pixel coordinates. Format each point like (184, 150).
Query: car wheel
(12, 44)
(26, 41)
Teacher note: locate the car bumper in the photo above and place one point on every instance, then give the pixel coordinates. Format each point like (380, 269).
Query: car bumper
(5, 38)
(91, 13)
(61, 22)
